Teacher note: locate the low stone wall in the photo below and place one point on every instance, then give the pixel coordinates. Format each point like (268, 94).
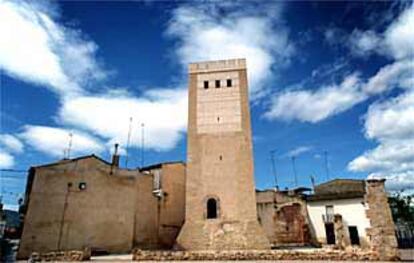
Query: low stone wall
(354, 255)
(72, 255)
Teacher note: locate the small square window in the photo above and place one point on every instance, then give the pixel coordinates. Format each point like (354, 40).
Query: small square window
(229, 84)
(217, 83)
(205, 84)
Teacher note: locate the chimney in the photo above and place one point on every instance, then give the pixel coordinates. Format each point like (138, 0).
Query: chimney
(115, 157)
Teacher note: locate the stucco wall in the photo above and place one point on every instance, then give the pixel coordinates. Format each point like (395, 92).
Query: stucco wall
(115, 212)
(172, 204)
(352, 211)
(60, 216)
(160, 218)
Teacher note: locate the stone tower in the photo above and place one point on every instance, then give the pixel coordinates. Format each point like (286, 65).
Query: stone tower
(220, 191)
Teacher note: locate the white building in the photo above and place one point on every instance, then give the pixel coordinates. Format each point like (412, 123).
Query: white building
(342, 197)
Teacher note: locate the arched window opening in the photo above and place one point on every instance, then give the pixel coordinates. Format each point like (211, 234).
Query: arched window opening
(211, 208)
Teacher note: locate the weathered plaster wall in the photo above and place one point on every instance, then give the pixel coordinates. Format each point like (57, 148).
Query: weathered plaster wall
(61, 216)
(115, 212)
(173, 203)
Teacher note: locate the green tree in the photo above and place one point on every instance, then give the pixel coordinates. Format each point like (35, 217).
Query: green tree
(402, 208)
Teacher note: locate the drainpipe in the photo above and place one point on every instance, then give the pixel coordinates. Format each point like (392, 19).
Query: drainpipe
(62, 220)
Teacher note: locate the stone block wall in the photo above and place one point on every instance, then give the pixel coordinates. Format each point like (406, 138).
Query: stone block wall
(382, 231)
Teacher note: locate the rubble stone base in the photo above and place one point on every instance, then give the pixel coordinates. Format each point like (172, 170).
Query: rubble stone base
(72, 255)
(220, 235)
(326, 255)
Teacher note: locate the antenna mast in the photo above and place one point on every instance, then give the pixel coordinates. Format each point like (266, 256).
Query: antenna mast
(272, 158)
(325, 153)
(142, 144)
(70, 144)
(294, 170)
(128, 140)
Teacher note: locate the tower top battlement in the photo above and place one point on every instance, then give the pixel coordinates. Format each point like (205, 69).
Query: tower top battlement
(218, 65)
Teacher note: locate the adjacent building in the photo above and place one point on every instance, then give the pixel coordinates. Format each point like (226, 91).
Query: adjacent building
(87, 202)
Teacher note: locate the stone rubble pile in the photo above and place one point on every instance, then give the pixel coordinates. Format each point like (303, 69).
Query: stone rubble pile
(71, 255)
(327, 255)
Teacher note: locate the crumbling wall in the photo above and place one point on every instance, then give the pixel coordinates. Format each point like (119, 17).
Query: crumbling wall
(284, 218)
(341, 237)
(382, 230)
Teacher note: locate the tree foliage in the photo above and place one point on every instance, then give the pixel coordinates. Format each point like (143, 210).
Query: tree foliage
(402, 208)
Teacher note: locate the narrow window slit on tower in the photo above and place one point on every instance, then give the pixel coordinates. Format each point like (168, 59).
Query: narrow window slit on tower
(218, 119)
(205, 84)
(221, 157)
(211, 208)
(229, 84)
(217, 83)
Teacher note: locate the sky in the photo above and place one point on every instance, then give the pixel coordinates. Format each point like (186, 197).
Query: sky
(331, 84)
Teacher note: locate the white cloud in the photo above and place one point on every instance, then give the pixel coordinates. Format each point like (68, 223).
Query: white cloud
(398, 74)
(387, 157)
(163, 111)
(391, 119)
(55, 141)
(397, 41)
(203, 33)
(391, 123)
(61, 59)
(6, 160)
(37, 49)
(363, 43)
(396, 181)
(11, 143)
(11, 207)
(399, 36)
(298, 151)
(316, 105)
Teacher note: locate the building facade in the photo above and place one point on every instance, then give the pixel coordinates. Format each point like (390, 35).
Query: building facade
(89, 203)
(208, 204)
(220, 192)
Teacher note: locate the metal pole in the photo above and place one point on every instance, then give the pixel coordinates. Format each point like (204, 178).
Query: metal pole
(128, 140)
(142, 144)
(294, 170)
(70, 144)
(326, 165)
(272, 158)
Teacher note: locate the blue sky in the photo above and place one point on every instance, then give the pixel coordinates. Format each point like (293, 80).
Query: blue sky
(324, 77)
